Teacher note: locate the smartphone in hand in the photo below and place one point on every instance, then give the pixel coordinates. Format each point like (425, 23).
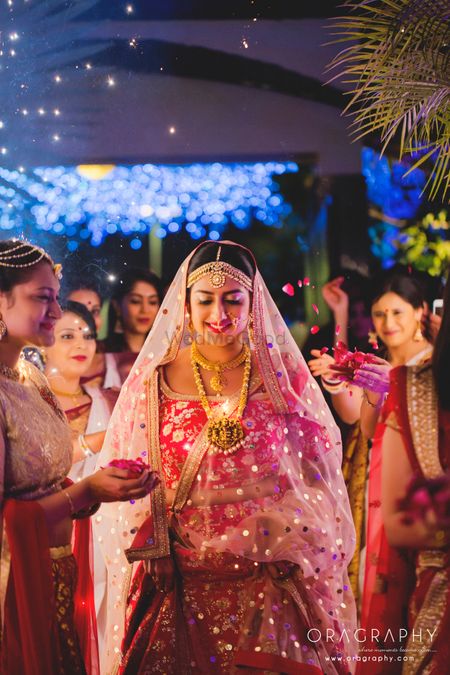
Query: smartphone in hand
(438, 306)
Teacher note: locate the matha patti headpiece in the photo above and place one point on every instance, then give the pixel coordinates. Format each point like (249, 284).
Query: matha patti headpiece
(217, 272)
(9, 257)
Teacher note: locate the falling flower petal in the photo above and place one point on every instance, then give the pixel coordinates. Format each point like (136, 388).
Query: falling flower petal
(306, 281)
(288, 289)
(315, 308)
(315, 329)
(324, 350)
(338, 329)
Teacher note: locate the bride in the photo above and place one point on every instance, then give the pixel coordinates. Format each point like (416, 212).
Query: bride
(239, 557)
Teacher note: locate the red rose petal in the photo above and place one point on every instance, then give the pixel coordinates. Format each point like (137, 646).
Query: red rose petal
(288, 289)
(315, 329)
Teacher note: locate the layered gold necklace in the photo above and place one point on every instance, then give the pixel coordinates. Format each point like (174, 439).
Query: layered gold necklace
(218, 381)
(225, 434)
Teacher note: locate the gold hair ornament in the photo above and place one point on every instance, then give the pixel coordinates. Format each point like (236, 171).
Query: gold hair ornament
(217, 272)
(9, 256)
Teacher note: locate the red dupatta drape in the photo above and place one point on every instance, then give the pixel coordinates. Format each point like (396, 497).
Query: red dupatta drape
(389, 572)
(30, 644)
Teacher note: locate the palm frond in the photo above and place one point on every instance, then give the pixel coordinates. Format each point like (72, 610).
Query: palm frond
(397, 64)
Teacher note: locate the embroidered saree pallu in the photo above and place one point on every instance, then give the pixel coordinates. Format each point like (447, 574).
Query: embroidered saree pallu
(259, 538)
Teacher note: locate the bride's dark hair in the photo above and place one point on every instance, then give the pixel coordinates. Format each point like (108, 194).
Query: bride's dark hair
(234, 255)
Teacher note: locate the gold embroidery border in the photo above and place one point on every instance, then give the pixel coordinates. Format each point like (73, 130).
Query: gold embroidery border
(430, 617)
(161, 545)
(262, 353)
(423, 419)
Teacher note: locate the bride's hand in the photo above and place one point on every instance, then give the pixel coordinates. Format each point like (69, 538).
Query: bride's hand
(114, 485)
(162, 571)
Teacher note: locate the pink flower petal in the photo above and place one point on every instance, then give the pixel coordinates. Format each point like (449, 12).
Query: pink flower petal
(315, 329)
(324, 350)
(315, 308)
(338, 329)
(306, 281)
(299, 283)
(288, 289)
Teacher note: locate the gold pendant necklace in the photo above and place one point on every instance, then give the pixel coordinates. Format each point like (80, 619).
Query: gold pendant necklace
(218, 381)
(73, 395)
(225, 434)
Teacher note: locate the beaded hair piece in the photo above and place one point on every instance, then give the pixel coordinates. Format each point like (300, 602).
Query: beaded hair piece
(9, 257)
(217, 272)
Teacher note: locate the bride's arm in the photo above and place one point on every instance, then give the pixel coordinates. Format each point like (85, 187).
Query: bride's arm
(229, 495)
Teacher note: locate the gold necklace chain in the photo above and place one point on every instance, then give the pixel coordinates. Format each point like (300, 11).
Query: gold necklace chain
(225, 434)
(74, 396)
(218, 381)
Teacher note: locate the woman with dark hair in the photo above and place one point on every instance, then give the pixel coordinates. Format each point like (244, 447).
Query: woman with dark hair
(47, 628)
(134, 305)
(88, 295)
(88, 410)
(416, 446)
(396, 308)
(241, 554)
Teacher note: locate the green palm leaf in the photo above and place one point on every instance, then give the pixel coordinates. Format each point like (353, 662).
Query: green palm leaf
(397, 63)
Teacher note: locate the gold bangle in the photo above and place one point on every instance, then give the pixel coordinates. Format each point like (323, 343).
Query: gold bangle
(376, 406)
(84, 446)
(69, 499)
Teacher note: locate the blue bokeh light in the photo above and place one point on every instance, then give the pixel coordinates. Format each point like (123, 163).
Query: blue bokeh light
(132, 200)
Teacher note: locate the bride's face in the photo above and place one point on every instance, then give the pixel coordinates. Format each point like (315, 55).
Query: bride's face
(219, 315)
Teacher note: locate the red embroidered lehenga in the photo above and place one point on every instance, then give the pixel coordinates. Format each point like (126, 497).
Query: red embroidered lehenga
(260, 539)
(47, 613)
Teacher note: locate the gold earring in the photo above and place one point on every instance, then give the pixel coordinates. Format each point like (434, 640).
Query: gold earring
(250, 327)
(190, 325)
(3, 328)
(372, 339)
(418, 335)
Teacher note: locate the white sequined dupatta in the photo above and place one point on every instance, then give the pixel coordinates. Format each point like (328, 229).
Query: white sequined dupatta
(311, 523)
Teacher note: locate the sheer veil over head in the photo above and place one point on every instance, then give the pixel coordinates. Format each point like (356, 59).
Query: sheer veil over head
(306, 521)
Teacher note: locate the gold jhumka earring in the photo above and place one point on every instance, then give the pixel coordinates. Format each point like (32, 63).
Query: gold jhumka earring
(372, 339)
(418, 335)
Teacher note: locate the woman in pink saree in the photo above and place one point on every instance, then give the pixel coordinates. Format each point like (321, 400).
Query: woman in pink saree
(239, 557)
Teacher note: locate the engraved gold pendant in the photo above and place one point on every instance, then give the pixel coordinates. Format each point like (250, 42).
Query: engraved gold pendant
(225, 435)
